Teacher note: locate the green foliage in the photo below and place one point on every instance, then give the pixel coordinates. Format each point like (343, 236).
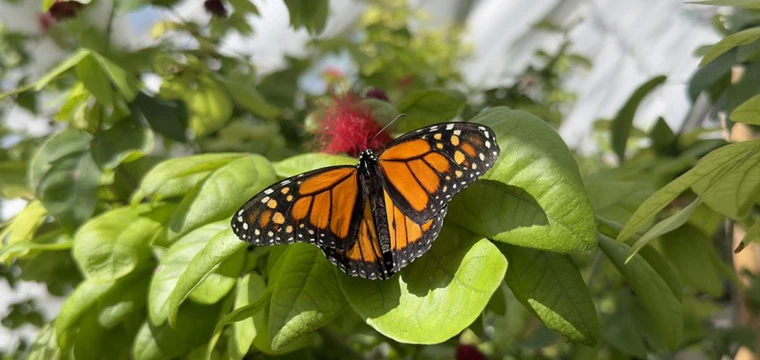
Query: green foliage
(130, 197)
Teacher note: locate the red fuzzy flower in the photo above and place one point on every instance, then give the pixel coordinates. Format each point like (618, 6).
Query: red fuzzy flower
(469, 352)
(350, 128)
(61, 10)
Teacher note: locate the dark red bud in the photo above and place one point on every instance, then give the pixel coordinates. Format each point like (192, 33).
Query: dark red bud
(215, 8)
(376, 94)
(469, 352)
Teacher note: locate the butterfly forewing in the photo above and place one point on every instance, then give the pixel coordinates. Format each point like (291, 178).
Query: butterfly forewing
(320, 207)
(424, 169)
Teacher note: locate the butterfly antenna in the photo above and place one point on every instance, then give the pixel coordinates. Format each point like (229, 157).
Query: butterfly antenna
(348, 140)
(387, 125)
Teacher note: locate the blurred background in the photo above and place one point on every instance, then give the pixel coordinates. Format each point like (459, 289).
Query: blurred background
(574, 63)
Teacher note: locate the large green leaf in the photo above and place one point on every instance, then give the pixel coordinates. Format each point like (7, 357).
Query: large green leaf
(45, 347)
(59, 145)
(110, 343)
(248, 97)
(689, 251)
(661, 265)
(125, 299)
(113, 244)
(176, 177)
(86, 297)
(209, 105)
(749, 4)
(166, 117)
(305, 295)
(617, 199)
(748, 112)
(124, 142)
(710, 179)
(427, 107)
(124, 82)
(437, 296)
(218, 284)
(729, 42)
(194, 326)
(665, 226)
(24, 225)
(95, 80)
(250, 289)
(222, 193)
(651, 290)
(551, 287)
(306, 162)
(69, 189)
(173, 264)
(309, 14)
(219, 248)
(731, 192)
(623, 121)
(61, 68)
(533, 196)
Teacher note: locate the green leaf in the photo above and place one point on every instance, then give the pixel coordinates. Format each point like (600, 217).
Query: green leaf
(753, 233)
(251, 289)
(295, 165)
(125, 299)
(69, 190)
(95, 80)
(305, 296)
(24, 225)
(435, 297)
(661, 265)
(688, 249)
(113, 244)
(710, 172)
(309, 14)
(651, 290)
(209, 105)
(194, 326)
(28, 249)
(428, 107)
(126, 141)
(45, 347)
(59, 145)
(177, 176)
(61, 68)
(730, 192)
(664, 140)
(729, 42)
(748, 4)
(218, 284)
(383, 112)
(222, 193)
(615, 198)
(173, 264)
(86, 296)
(623, 121)
(533, 196)
(166, 117)
(665, 226)
(551, 287)
(13, 183)
(92, 341)
(124, 81)
(248, 97)
(219, 248)
(748, 112)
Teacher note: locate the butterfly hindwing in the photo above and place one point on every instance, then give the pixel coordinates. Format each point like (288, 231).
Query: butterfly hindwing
(319, 207)
(424, 169)
(408, 241)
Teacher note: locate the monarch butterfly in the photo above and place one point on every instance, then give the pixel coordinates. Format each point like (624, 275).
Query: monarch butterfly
(374, 218)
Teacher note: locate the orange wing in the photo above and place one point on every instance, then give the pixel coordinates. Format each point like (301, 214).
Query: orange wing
(423, 169)
(408, 241)
(316, 207)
